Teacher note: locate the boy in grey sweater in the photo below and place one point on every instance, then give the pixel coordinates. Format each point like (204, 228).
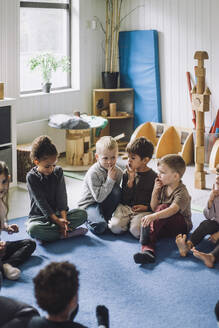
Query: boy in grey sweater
(101, 191)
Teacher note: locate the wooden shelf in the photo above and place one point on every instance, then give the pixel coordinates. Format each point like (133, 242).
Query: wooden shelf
(119, 117)
(124, 99)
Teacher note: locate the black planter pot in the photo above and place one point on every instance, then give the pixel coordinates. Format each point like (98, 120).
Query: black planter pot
(46, 87)
(110, 80)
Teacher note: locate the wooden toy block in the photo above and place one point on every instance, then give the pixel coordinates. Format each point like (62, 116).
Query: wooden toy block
(1, 90)
(214, 156)
(78, 147)
(167, 139)
(201, 55)
(169, 143)
(187, 151)
(200, 71)
(200, 102)
(200, 180)
(199, 154)
(146, 130)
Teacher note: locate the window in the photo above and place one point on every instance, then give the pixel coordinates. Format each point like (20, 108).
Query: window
(44, 27)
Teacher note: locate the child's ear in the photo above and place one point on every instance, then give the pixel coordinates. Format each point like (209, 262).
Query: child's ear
(36, 162)
(96, 156)
(146, 160)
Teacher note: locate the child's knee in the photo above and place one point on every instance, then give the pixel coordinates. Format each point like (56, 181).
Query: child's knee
(33, 229)
(115, 225)
(135, 230)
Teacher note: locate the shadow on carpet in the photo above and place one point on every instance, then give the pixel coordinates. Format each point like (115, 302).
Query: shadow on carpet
(173, 292)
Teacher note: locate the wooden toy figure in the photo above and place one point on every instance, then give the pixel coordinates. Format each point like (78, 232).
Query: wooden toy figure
(200, 103)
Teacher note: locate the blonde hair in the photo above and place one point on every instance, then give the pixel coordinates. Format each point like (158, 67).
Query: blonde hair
(106, 143)
(175, 162)
(5, 171)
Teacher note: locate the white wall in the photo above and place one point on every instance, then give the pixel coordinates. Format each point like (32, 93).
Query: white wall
(37, 108)
(184, 27)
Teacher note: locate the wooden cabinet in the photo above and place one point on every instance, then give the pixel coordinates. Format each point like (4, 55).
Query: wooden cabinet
(8, 137)
(123, 122)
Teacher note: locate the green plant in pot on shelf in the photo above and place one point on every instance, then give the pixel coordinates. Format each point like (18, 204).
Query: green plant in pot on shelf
(112, 27)
(47, 63)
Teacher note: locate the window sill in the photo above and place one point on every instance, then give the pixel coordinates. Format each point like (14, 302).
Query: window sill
(37, 94)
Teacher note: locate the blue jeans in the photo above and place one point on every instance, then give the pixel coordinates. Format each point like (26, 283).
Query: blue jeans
(98, 214)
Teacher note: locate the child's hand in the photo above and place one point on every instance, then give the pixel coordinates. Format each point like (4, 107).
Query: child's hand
(139, 208)
(157, 185)
(63, 225)
(131, 173)
(12, 228)
(112, 173)
(146, 220)
(2, 248)
(214, 193)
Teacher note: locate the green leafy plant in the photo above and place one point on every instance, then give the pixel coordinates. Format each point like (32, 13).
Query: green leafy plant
(48, 63)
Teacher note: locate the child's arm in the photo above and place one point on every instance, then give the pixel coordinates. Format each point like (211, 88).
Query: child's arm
(209, 211)
(99, 189)
(127, 188)
(167, 212)
(154, 197)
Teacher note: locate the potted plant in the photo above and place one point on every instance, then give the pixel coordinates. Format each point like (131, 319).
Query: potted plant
(48, 63)
(112, 26)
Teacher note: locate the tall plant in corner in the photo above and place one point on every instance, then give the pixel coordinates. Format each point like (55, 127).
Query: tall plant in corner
(112, 27)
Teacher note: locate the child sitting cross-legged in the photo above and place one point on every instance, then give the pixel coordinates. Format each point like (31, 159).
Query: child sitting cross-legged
(171, 203)
(137, 185)
(12, 253)
(49, 217)
(210, 226)
(101, 191)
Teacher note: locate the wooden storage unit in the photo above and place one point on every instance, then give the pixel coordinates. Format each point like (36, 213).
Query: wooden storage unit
(123, 122)
(8, 137)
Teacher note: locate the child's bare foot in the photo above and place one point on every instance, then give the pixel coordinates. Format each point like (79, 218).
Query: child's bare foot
(208, 259)
(182, 245)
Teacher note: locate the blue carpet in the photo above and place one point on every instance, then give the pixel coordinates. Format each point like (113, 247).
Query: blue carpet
(173, 292)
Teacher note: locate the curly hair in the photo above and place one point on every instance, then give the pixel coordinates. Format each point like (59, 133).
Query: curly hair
(42, 148)
(55, 286)
(141, 147)
(175, 162)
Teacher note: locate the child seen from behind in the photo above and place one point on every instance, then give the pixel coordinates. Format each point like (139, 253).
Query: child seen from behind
(12, 253)
(49, 217)
(101, 191)
(137, 186)
(171, 203)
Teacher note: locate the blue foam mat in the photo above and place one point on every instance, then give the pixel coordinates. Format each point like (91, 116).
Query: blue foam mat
(139, 69)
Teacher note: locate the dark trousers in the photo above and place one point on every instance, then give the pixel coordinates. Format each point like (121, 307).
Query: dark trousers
(206, 227)
(99, 214)
(17, 252)
(15, 314)
(163, 228)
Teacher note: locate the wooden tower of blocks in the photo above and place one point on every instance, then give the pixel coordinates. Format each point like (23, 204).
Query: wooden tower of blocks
(200, 103)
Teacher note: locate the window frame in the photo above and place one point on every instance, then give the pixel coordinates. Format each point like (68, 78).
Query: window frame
(53, 5)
